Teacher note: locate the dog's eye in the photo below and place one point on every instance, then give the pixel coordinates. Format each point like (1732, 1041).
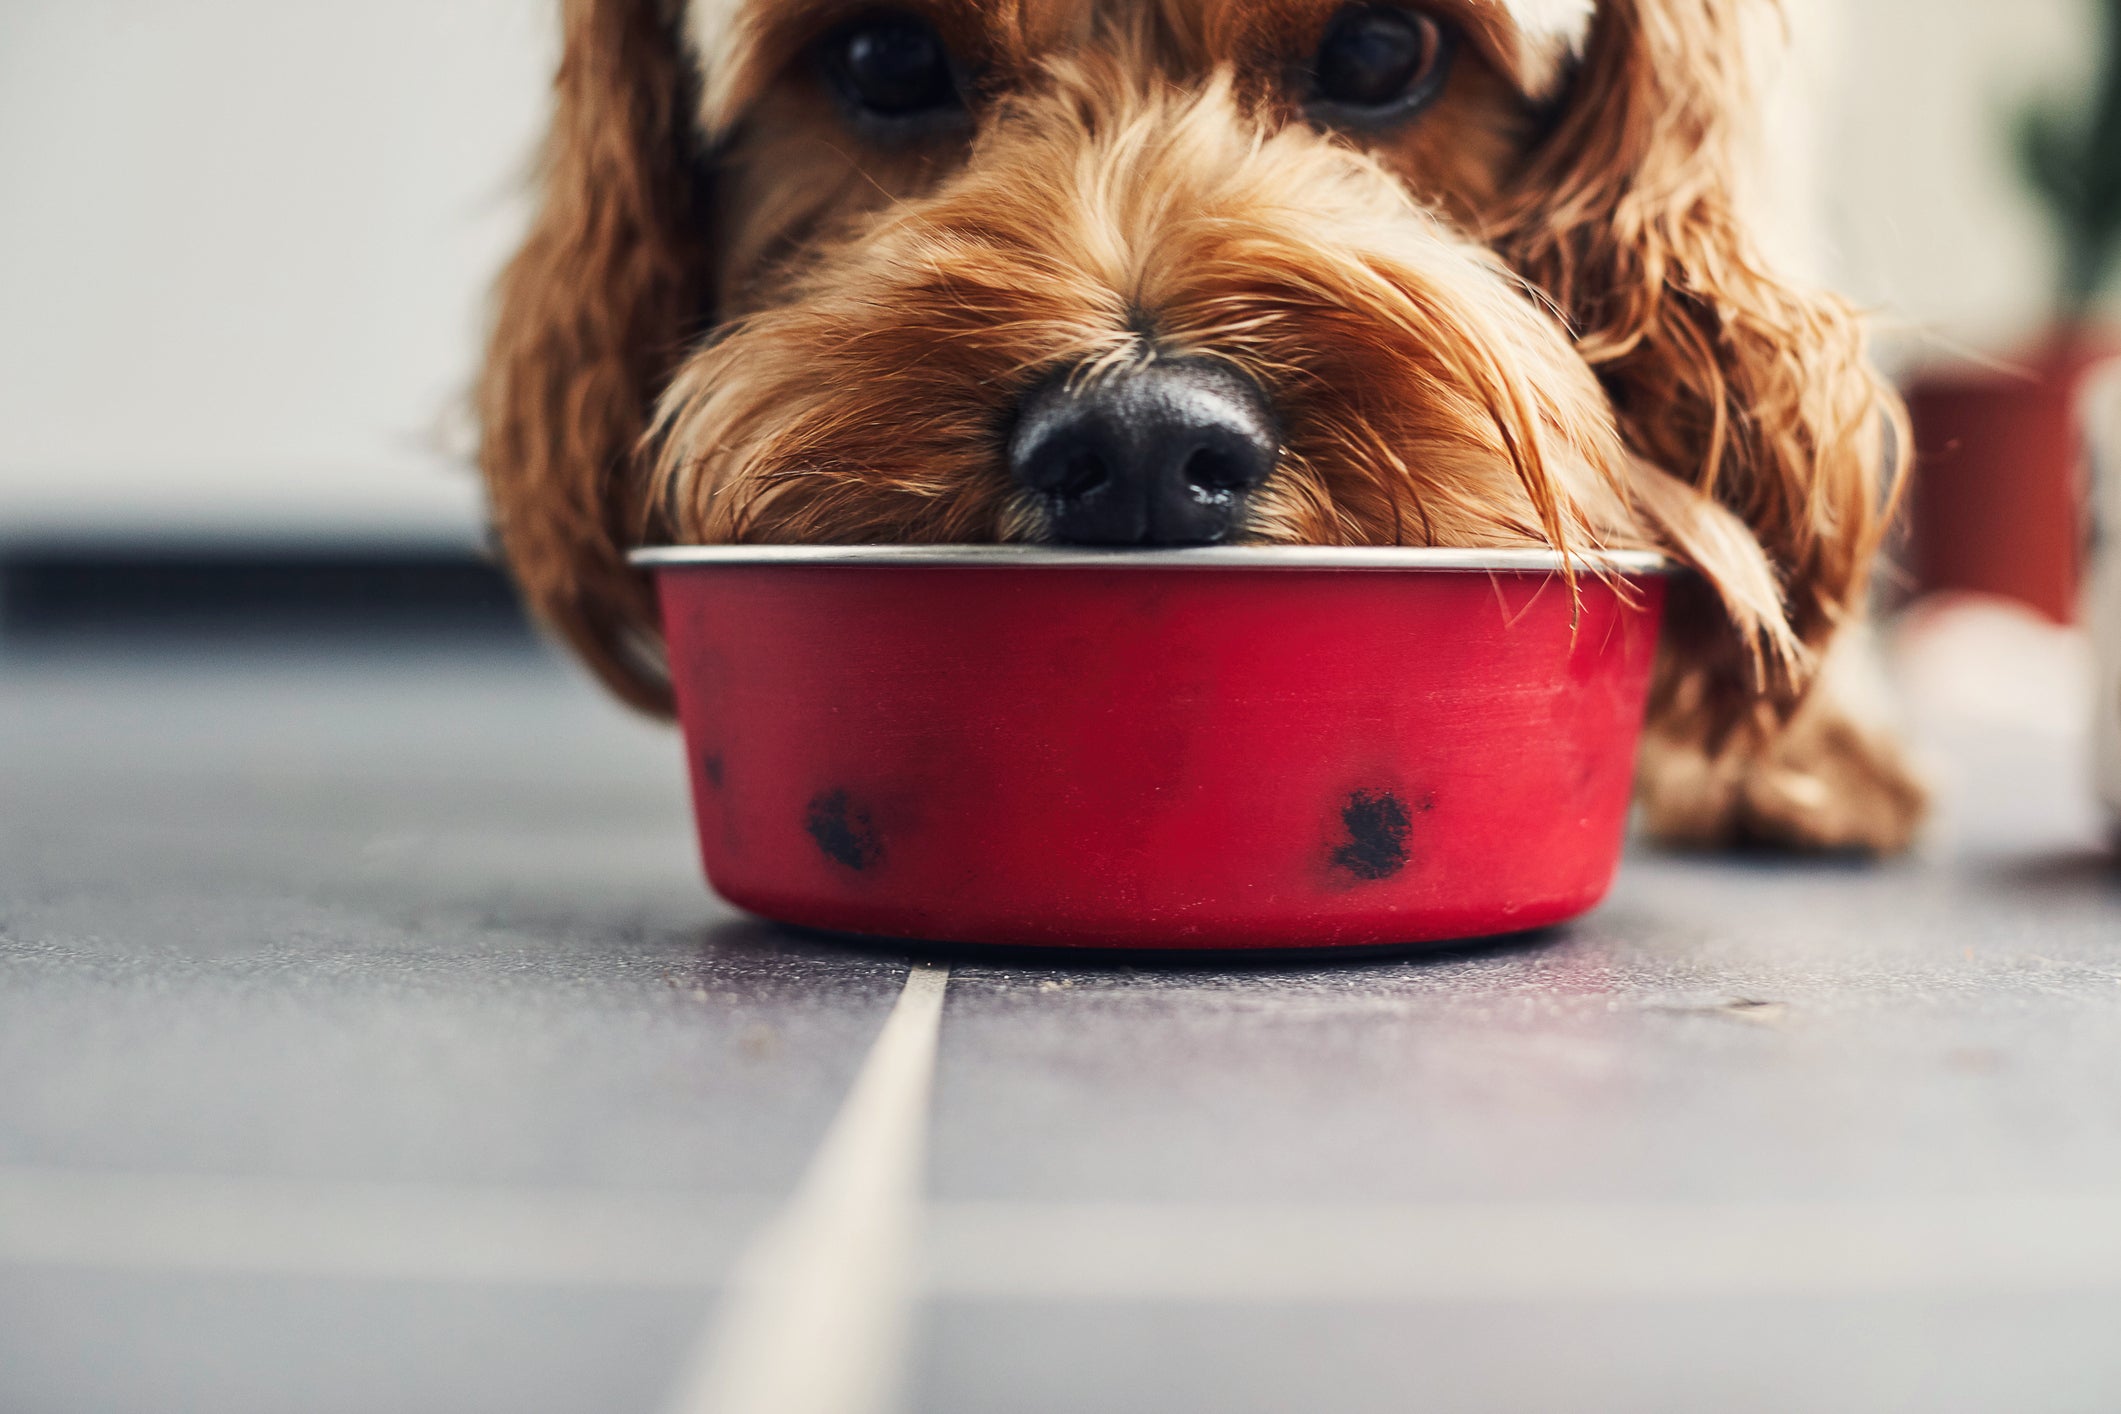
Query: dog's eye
(1379, 63)
(893, 66)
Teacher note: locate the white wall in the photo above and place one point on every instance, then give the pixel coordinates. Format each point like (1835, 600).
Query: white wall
(243, 252)
(1926, 215)
(244, 243)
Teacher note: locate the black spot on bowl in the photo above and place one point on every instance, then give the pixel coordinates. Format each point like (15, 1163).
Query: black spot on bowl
(711, 768)
(843, 831)
(1378, 825)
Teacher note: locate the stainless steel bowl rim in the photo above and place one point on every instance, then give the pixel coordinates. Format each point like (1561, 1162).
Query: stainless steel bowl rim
(1249, 557)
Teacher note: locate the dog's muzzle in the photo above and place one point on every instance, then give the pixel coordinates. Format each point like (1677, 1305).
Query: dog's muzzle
(1162, 454)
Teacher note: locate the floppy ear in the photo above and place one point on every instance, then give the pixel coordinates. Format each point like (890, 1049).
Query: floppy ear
(1721, 372)
(610, 287)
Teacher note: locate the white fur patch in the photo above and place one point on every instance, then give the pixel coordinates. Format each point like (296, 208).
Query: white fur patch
(713, 29)
(1551, 34)
(1566, 22)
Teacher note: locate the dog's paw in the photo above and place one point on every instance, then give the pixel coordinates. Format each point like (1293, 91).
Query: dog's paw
(1833, 786)
(1826, 784)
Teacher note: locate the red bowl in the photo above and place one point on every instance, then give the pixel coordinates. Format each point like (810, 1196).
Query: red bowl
(1237, 748)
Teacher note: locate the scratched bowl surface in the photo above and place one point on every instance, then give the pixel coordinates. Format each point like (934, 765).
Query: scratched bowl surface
(1202, 749)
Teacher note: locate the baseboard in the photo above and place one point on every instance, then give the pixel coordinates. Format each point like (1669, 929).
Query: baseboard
(81, 591)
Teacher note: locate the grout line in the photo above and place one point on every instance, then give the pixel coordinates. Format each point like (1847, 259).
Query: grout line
(819, 1311)
(368, 1231)
(1213, 1253)
(1461, 1253)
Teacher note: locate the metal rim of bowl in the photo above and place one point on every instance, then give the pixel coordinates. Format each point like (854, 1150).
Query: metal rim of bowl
(1307, 557)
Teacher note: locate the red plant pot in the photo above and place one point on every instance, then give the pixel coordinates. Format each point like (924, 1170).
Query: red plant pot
(1998, 499)
(1218, 749)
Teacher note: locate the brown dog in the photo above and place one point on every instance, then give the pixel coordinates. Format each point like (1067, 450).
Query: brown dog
(1460, 272)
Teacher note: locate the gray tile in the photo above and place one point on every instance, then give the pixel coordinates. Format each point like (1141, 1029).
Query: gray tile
(2031, 1356)
(307, 929)
(75, 1342)
(1718, 1030)
(407, 919)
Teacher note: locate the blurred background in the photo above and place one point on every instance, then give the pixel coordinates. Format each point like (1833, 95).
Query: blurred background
(242, 277)
(247, 246)
(247, 243)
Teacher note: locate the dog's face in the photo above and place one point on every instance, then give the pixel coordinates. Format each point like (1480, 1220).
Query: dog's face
(1129, 272)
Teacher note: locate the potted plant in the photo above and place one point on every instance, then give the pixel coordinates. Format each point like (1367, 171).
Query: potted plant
(1998, 504)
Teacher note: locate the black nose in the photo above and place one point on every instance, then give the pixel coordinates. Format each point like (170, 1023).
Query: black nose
(1164, 454)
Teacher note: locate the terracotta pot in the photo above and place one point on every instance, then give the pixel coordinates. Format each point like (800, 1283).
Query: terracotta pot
(1998, 504)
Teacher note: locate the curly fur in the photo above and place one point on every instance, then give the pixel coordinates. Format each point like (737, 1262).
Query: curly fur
(1536, 316)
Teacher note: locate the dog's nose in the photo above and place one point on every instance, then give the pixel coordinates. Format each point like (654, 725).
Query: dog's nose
(1164, 454)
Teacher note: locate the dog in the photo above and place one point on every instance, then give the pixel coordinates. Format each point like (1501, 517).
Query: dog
(1473, 273)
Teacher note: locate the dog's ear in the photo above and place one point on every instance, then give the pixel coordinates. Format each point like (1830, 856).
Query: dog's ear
(1758, 391)
(609, 288)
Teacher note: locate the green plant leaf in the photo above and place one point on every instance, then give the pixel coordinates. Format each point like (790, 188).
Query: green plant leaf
(2069, 154)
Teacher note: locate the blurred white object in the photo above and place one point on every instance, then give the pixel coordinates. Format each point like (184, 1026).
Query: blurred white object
(1979, 663)
(2101, 411)
(1995, 696)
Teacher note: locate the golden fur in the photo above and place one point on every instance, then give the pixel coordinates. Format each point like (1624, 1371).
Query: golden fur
(1531, 316)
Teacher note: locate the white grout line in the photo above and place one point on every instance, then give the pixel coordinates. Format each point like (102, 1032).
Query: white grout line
(1500, 1252)
(818, 1314)
(368, 1231)
(1216, 1253)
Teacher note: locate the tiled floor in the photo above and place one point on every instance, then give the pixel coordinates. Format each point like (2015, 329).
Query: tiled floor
(367, 1042)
